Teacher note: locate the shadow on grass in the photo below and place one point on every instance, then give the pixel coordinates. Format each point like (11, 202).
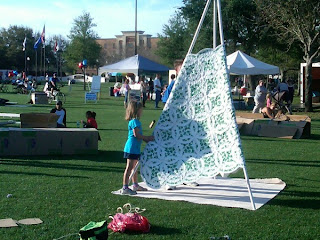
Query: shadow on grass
(51, 161)
(298, 163)
(262, 139)
(159, 230)
(297, 203)
(40, 174)
(113, 129)
(102, 156)
(108, 156)
(315, 136)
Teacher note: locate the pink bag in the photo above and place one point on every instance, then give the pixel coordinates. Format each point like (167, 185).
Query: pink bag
(130, 221)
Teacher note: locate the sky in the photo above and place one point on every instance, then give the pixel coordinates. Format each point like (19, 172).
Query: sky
(111, 16)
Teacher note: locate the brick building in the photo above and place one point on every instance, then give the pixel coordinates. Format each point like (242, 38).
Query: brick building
(122, 46)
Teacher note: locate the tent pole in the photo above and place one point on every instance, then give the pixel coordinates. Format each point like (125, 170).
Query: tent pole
(135, 31)
(249, 188)
(220, 22)
(195, 37)
(214, 24)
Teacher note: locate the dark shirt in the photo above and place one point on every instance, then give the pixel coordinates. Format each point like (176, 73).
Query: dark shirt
(54, 80)
(150, 83)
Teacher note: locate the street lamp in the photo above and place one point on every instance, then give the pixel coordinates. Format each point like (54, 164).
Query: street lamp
(97, 64)
(28, 60)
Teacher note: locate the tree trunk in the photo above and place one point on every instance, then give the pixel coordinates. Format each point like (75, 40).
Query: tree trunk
(299, 85)
(283, 73)
(250, 82)
(308, 82)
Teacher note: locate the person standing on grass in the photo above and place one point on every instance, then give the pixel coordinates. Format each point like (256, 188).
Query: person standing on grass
(290, 91)
(157, 89)
(177, 66)
(150, 85)
(259, 97)
(143, 91)
(126, 89)
(132, 147)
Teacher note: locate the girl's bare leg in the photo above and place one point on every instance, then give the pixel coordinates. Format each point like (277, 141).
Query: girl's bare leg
(135, 176)
(130, 166)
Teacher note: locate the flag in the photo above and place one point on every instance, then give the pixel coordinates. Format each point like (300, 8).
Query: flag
(35, 46)
(57, 46)
(43, 34)
(24, 44)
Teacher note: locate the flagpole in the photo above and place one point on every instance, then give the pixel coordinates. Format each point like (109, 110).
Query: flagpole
(57, 56)
(25, 62)
(40, 61)
(60, 67)
(44, 59)
(36, 64)
(25, 54)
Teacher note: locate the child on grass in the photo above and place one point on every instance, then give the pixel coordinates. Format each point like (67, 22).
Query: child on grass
(91, 122)
(132, 147)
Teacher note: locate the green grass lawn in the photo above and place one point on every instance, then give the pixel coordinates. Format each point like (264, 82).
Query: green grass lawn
(67, 192)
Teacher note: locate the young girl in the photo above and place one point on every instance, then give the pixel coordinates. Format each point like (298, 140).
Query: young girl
(91, 122)
(269, 100)
(132, 147)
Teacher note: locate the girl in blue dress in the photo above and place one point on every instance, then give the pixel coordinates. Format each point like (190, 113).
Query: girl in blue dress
(132, 148)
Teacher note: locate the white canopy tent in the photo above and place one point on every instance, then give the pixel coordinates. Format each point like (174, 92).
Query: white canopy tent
(240, 63)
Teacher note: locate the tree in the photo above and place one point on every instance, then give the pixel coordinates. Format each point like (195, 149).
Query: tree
(239, 22)
(82, 42)
(296, 21)
(174, 41)
(11, 39)
(240, 25)
(54, 58)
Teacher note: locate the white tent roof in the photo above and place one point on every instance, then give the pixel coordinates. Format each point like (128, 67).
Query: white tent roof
(240, 63)
(135, 64)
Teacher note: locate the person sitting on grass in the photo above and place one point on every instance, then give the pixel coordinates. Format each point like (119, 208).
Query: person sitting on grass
(91, 122)
(62, 113)
(116, 89)
(132, 147)
(269, 111)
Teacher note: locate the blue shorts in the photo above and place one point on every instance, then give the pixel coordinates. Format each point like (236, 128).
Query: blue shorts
(131, 156)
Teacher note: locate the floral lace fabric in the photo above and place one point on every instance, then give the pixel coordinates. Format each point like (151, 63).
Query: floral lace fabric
(196, 135)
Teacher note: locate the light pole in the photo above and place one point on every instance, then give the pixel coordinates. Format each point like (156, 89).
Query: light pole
(97, 61)
(27, 68)
(135, 32)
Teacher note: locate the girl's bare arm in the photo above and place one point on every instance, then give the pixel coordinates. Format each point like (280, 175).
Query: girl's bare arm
(136, 133)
